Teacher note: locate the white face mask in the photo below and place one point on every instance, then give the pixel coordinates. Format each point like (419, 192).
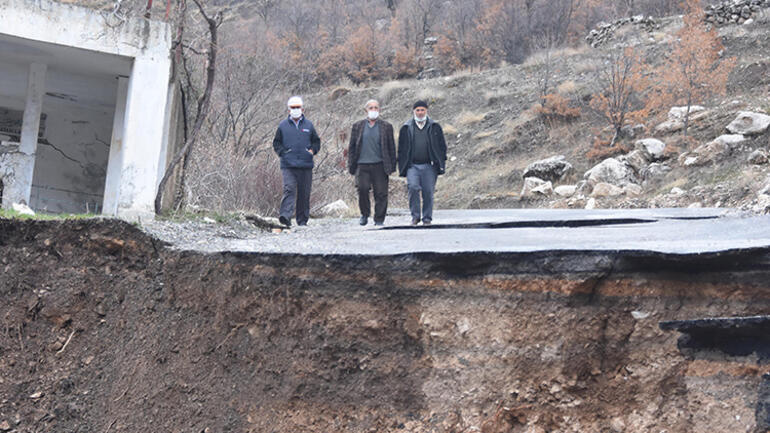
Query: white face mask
(373, 115)
(295, 113)
(421, 119)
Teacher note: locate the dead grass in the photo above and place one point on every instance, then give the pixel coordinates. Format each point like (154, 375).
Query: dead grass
(484, 134)
(392, 88)
(568, 87)
(431, 95)
(539, 58)
(449, 129)
(468, 118)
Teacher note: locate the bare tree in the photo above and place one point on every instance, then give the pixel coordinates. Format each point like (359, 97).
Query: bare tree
(203, 102)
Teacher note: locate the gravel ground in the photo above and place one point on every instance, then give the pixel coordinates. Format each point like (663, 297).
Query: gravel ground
(230, 235)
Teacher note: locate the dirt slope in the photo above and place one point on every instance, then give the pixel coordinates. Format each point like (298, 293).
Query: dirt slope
(106, 330)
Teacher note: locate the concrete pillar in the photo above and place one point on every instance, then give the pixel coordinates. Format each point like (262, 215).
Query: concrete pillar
(115, 161)
(21, 187)
(143, 137)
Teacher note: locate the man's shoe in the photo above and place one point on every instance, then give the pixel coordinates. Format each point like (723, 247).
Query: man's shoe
(363, 220)
(285, 221)
(426, 222)
(379, 223)
(415, 221)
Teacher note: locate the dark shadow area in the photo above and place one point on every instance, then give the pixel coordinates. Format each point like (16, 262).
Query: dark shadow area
(530, 224)
(736, 336)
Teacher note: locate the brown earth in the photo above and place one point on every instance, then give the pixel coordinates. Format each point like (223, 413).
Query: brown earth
(105, 329)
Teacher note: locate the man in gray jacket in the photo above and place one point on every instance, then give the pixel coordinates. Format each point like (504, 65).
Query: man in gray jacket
(421, 159)
(371, 158)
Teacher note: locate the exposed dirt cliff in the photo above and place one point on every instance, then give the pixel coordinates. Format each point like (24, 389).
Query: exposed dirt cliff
(105, 329)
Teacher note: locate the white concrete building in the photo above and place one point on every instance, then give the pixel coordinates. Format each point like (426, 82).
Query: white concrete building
(86, 109)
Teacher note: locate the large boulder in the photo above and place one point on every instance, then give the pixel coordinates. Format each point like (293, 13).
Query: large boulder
(536, 188)
(675, 120)
(565, 190)
(553, 168)
(637, 159)
(652, 146)
(603, 189)
(655, 170)
(611, 171)
(749, 123)
(713, 151)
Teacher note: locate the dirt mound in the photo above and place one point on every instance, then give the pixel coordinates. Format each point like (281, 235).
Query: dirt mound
(104, 329)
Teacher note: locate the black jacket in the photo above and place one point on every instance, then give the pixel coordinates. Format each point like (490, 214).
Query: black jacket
(436, 146)
(292, 143)
(387, 144)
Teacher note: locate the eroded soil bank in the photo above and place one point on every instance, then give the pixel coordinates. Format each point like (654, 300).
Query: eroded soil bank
(105, 329)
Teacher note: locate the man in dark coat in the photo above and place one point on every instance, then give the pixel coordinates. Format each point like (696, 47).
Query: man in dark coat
(372, 158)
(421, 158)
(296, 143)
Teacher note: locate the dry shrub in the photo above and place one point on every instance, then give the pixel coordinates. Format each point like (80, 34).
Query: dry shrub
(468, 118)
(556, 108)
(567, 87)
(430, 94)
(392, 88)
(601, 149)
(449, 129)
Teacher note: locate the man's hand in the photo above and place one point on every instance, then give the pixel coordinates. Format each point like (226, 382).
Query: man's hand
(311, 151)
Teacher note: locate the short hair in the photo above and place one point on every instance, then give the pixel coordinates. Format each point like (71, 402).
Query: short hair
(371, 101)
(295, 100)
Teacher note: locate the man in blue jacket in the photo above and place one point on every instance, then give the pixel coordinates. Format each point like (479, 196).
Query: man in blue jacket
(421, 158)
(296, 142)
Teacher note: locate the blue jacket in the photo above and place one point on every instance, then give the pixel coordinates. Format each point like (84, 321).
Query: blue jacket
(292, 143)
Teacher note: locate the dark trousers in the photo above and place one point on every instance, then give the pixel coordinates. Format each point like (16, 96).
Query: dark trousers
(421, 181)
(372, 176)
(296, 190)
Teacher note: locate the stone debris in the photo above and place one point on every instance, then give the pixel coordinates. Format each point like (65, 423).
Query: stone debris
(758, 157)
(535, 187)
(605, 31)
(334, 209)
(652, 146)
(553, 168)
(23, 209)
(734, 11)
(611, 171)
(749, 123)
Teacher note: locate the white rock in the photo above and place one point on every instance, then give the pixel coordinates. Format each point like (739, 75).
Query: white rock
(758, 157)
(637, 159)
(603, 189)
(591, 203)
(22, 209)
(611, 171)
(652, 146)
(335, 209)
(565, 190)
(690, 161)
(639, 315)
(677, 113)
(676, 191)
(748, 22)
(696, 205)
(669, 126)
(208, 220)
(463, 325)
(632, 189)
(730, 140)
(535, 187)
(763, 203)
(749, 123)
(655, 170)
(553, 168)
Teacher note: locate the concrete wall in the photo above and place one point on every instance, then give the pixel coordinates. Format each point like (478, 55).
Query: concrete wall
(71, 157)
(85, 52)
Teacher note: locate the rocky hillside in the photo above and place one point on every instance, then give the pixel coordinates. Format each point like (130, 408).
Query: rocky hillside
(495, 135)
